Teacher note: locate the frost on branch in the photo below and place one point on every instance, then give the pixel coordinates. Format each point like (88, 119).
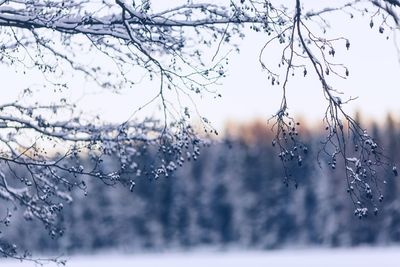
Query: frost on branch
(49, 150)
(44, 160)
(305, 46)
(127, 42)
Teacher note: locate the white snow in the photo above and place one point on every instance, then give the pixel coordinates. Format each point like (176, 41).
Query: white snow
(365, 257)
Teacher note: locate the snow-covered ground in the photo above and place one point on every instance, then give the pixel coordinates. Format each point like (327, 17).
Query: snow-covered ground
(363, 257)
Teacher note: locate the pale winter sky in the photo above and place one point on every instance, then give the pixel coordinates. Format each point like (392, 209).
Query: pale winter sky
(372, 61)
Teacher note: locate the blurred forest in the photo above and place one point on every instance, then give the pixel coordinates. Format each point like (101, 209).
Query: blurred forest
(232, 195)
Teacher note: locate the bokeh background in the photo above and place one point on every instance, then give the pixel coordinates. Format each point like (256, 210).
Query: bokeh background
(232, 197)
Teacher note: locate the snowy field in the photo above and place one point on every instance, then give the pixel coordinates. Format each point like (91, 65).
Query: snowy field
(365, 257)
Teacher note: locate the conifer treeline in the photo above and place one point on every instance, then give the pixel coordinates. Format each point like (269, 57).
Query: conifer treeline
(232, 195)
